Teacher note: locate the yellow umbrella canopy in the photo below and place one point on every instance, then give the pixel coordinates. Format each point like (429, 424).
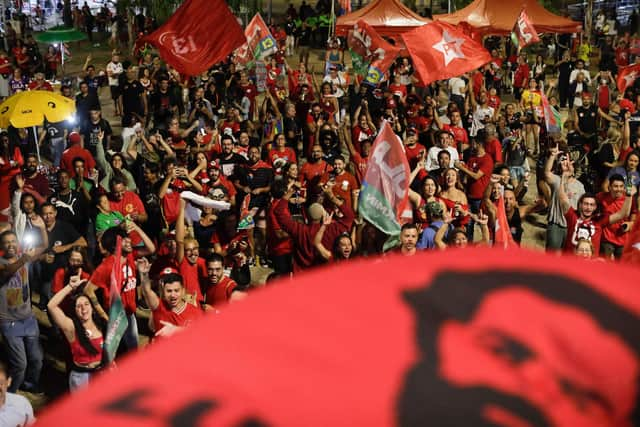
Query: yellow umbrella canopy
(30, 108)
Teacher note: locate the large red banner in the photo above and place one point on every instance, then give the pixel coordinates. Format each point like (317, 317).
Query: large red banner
(194, 38)
(440, 51)
(627, 76)
(473, 337)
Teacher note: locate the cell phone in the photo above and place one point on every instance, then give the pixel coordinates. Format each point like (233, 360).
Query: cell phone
(202, 132)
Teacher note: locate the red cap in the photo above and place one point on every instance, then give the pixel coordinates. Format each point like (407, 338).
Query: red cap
(391, 103)
(168, 270)
(214, 164)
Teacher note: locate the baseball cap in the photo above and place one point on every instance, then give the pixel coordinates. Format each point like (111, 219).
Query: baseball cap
(214, 164)
(412, 130)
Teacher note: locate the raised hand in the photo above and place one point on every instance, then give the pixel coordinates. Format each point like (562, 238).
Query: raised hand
(76, 281)
(143, 266)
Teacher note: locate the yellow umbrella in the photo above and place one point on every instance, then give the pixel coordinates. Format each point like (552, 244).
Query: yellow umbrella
(30, 108)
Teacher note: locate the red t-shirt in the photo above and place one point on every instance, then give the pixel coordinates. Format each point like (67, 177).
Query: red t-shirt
(399, 90)
(194, 276)
(613, 233)
(345, 184)
(359, 166)
(219, 294)
(45, 86)
(494, 102)
(288, 154)
(310, 172)
(521, 75)
(101, 277)
(590, 229)
(277, 246)
(460, 135)
(622, 57)
(494, 149)
(413, 153)
(182, 317)
(130, 204)
(477, 186)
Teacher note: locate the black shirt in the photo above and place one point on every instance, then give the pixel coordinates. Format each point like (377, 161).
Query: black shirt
(84, 104)
(161, 104)
(62, 233)
(90, 132)
(55, 131)
(132, 97)
(587, 119)
(72, 208)
(229, 166)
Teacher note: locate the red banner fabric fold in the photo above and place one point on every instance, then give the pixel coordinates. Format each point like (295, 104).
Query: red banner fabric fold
(627, 76)
(376, 51)
(440, 51)
(192, 40)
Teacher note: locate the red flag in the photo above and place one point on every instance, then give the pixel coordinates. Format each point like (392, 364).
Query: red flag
(192, 41)
(374, 50)
(471, 337)
(627, 76)
(631, 252)
(503, 238)
(384, 200)
(524, 33)
(440, 51)
(259, 41)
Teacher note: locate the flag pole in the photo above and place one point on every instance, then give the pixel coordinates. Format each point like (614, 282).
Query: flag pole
(333, 19)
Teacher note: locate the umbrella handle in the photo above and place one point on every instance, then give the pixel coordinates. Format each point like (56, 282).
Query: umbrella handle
(35, 136)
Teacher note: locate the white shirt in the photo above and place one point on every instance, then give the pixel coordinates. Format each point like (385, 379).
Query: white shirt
(574, 75)
(16, 411)
(479, 114)
(456, 86)
(113, 71)
(337, 83)
(432, 157)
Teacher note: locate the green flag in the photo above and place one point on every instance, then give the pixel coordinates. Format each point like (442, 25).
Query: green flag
(384, 199)
(118, 321)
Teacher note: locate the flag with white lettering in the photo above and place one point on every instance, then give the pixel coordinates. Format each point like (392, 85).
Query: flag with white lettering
(118, 321)
(523, 33)
(384, 199)
(552, 117)
(260, 43)
(192, 41)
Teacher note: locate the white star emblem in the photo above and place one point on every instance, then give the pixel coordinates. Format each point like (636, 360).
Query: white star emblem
(450, 47)
(629, 78)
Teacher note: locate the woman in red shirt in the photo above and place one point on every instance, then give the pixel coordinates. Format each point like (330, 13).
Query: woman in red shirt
(84, 330)
(78, 261)
(281, 153)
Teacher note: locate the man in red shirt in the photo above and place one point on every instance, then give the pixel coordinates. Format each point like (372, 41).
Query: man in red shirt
(126, 202)
(614, 235)
(220, 288)
(492, 144)
(587, 223)
(478, 170)
(75, 150)
(191, 266)
(344, 185)
(413, 149)
(101, 278)
(171, 311)
(521, 77)
(39, 83)
(311, 172)
(460, 135)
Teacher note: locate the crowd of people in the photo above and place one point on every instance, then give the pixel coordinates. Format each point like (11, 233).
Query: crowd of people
(214, 174)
